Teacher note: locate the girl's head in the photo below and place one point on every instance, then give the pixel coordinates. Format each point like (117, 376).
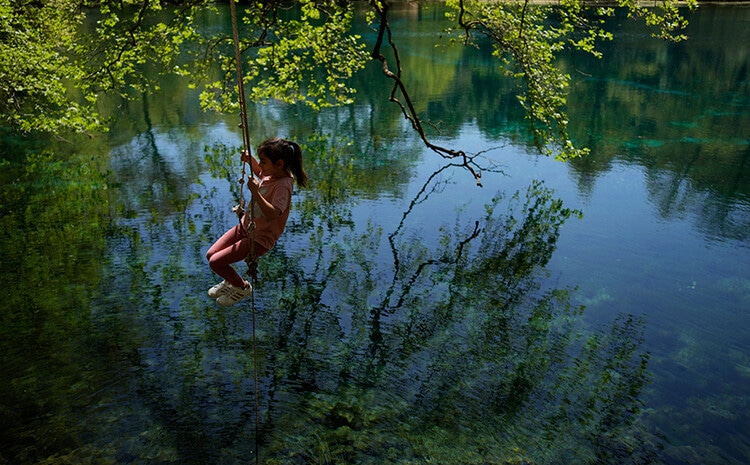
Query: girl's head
(278, 149)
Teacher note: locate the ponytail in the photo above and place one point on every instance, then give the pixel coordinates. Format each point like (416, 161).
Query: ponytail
(294, 164)
(289, 152)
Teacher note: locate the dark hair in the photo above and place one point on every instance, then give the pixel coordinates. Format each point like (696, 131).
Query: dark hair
(289, 152)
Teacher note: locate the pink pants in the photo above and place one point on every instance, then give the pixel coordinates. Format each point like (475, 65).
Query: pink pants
(232, 247)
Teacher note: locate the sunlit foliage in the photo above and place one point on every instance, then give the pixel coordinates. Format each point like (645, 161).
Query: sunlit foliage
(36, 67)
(527, 39)
(60, 56)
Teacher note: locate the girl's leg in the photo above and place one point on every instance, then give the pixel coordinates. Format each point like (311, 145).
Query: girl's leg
(232, 247)
(230, 237)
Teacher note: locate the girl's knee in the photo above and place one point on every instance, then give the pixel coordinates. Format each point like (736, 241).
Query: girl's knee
(211, 252)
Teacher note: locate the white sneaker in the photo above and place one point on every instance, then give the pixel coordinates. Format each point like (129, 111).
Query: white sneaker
(233, 295)
(219, 290)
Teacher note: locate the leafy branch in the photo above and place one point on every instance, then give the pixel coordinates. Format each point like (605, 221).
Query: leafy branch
(307, 58)
(527, 39)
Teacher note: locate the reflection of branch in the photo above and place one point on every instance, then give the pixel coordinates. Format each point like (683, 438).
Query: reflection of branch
(421, 197)
(407, 107)
(442, 260)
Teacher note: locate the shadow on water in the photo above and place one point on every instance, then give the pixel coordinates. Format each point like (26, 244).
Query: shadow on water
(373, 345)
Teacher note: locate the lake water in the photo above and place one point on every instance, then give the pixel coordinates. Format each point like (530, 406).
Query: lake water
(596, 311)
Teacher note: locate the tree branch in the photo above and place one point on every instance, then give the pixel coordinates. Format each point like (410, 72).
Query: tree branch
(407, 107)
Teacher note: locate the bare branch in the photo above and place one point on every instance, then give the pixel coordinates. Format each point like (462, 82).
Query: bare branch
(407, 106)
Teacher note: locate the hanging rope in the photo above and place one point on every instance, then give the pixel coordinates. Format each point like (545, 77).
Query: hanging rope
(251, 259)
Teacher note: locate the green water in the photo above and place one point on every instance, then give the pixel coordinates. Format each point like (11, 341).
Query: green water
(590, 312)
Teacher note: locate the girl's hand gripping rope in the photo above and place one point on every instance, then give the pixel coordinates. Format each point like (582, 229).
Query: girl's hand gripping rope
(245, 157)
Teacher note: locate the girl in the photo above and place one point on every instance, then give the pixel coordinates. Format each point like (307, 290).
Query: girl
(280, 163)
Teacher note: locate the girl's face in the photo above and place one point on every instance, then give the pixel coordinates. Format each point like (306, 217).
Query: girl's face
(269, 167)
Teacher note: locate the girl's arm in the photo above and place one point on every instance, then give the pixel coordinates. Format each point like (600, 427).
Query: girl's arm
(254, 165)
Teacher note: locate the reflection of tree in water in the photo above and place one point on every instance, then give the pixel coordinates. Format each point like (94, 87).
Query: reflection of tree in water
(452, 352)
(463, 358)
(54, 216)
(720, 208)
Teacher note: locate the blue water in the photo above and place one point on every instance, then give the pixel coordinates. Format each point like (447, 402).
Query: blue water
(143, 368)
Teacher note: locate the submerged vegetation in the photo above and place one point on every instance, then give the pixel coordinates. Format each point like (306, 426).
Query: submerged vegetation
(55, 219)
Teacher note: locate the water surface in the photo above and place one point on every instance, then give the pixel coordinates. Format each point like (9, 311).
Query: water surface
(589, 312)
